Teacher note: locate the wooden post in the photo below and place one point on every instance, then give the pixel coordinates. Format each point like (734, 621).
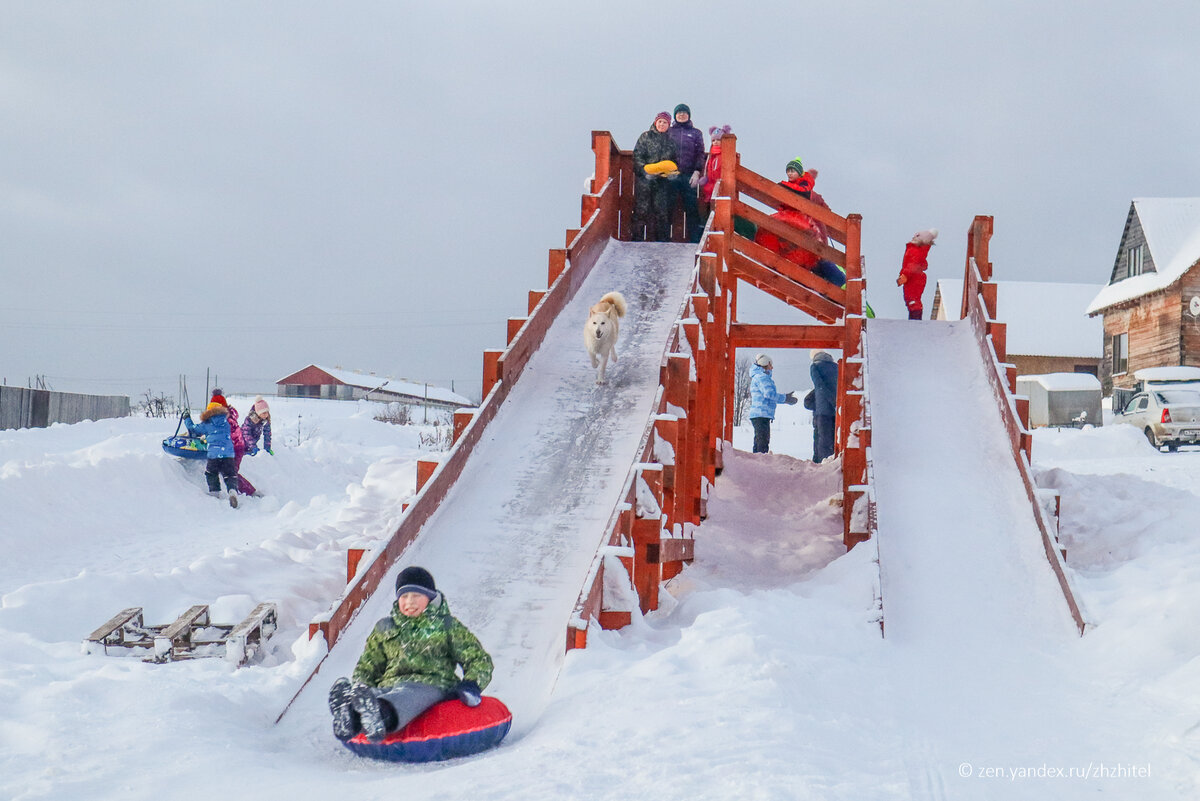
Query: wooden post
(462, 419)
(514, 327)
(558, 263)
(425, 471)
(353, 557)
(491, 369)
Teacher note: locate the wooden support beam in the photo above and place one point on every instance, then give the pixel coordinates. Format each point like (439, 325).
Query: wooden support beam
(646, 571)
(748, 335)
(535, 297)
(791, 292)
(741, 246)
(789, 233)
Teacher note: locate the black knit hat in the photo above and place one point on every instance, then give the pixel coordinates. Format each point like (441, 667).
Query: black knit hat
(682, 107)
(416, 579)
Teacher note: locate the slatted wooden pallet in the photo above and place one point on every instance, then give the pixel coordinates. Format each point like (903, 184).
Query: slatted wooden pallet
(190, 636)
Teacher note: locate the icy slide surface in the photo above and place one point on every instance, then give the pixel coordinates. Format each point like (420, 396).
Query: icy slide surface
(971, 605)
(512, 542)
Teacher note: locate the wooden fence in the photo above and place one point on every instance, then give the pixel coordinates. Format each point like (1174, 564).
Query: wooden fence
(38, 408)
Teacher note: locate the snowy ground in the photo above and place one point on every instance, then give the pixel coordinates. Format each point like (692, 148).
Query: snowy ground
(762, 677)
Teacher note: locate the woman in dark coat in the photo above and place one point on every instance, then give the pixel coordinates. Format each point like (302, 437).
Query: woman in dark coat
(824, 373)
(651, 188)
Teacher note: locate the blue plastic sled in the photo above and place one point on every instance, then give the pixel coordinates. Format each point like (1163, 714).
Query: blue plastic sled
(445, 731)
(186, 447)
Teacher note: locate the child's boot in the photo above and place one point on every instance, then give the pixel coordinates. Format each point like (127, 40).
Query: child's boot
(369, 714)
(345, 721)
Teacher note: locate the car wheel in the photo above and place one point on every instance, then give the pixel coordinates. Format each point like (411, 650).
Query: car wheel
(1150, 436)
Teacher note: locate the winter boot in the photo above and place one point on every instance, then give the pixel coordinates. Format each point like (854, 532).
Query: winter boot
(369, 714)
(233, 498)
(345, 720)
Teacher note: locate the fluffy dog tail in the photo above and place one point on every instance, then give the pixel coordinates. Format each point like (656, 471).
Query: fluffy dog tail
(617, 300)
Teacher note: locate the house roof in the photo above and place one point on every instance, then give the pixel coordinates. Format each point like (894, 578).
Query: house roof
(1171, 226)
(387, 384)
(1043, 318)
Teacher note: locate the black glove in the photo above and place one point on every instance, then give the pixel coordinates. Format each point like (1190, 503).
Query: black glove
(468, 692)
(791, 399)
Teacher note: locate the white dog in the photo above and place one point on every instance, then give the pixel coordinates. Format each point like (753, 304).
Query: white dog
(601, 329)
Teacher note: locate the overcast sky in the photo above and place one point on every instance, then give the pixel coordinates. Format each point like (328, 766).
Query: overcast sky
(251, 187)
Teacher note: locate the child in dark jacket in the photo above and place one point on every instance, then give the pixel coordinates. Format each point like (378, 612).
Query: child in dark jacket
(410, 662)
(214, 427)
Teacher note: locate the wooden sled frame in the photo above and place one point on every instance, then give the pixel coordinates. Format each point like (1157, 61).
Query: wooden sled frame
(190, 636)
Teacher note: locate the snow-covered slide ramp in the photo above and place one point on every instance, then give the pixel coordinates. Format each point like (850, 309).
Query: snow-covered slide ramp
(512, 542)
(972, 608)
(960, 551)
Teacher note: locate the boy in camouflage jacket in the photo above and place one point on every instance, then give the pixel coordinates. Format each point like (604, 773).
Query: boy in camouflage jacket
(410, 663)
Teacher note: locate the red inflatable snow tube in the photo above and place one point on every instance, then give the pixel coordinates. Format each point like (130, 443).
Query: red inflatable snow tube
(445, 731)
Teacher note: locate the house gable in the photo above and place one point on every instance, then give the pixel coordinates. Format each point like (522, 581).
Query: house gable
(1168, 229)
(1132, 238)
(309, 376)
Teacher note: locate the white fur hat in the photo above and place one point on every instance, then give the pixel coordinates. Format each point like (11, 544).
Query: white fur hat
(763, 360)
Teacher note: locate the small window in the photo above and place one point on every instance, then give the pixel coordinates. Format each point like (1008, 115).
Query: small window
(1120, 353)
(1136, 260)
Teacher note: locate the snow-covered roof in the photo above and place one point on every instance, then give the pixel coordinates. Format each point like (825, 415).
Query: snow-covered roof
(1171, 226)
(1044, 318)
(1063, 381)
(1178, 373)
(401, 386)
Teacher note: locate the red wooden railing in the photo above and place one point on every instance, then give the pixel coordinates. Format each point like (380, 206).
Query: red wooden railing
(979, 306)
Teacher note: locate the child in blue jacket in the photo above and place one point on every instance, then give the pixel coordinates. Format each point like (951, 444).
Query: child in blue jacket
(763, 398)
(214, 427)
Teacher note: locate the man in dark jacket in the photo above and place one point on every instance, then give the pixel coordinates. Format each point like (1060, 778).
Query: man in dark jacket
(690, 157)
(651, 188)
(824, 373)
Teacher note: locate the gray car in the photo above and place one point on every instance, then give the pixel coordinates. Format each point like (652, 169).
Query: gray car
(1168, 417)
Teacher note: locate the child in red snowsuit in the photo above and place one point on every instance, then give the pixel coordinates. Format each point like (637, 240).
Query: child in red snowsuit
(912, 271)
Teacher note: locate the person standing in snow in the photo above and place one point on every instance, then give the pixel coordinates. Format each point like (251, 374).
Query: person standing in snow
(214, 427)
(763, 398)
(912, 271)
(824, 373)
(410, 662)
(257, 424)
(653, 165)
(689, 159)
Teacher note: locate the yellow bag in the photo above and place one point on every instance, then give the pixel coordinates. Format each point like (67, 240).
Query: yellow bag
(662, 168)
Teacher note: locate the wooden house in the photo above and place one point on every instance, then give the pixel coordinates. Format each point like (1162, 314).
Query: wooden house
(1151, 305)
(334, 383)
(1048, 327)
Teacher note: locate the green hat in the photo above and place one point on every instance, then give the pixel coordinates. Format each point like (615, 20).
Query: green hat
(682, 107)
(795, 164)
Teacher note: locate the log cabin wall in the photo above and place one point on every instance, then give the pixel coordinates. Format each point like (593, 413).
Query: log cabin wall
(1040, 365)
(1189, 334)
(1153, 326)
